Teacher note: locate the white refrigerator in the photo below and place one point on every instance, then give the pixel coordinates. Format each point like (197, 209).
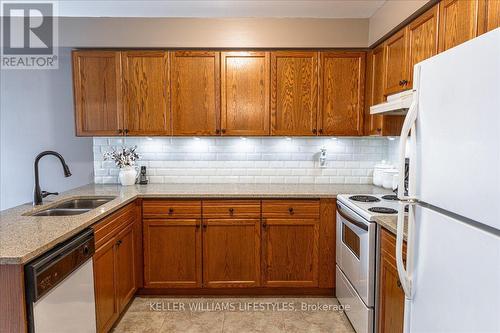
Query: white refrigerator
(452, 135)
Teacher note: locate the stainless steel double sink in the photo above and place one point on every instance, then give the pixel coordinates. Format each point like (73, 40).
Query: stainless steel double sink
(73, 206)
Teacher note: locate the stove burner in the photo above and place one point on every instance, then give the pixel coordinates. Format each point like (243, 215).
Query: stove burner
(364, 198)
(382, 210)
(390, 197)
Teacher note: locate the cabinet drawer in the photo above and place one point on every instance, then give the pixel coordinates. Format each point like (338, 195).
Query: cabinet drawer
(290, 208)
(111, 225)
(231, 209)
(388, 245)
(171, 209)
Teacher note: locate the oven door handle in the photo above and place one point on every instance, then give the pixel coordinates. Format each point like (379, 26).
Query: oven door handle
(350, 219)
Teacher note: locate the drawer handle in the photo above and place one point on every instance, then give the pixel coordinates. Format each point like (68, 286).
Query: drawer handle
(170, 211)
(231, 211)
(290, 210)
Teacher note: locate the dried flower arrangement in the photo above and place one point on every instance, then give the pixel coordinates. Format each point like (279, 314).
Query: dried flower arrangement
(124, 157)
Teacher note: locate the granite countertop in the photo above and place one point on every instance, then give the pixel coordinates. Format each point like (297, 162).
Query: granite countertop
(23, 238)
(390, 223)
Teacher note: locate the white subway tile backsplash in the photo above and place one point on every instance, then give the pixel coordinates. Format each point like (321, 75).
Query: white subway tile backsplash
(250, 160)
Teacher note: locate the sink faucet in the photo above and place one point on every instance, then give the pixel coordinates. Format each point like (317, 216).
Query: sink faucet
(39, 194)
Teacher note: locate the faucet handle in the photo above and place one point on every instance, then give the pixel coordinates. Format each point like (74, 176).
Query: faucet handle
(46, 194)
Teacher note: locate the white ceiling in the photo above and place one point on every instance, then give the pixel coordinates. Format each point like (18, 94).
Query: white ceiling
(226, 8)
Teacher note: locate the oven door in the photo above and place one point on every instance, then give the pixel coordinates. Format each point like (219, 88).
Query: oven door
(356, 252)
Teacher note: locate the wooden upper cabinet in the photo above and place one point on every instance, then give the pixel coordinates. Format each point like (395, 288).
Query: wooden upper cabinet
(97, 78)
(146, 93)
(245, 93)
(488, 15)
(342, 93)
(457, 22)
(294, 93)
(396, 65)
(195, 92)
(422, 39)
(374, 93)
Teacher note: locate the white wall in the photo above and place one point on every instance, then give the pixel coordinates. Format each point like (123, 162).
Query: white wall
(36, 114)
(389, 15)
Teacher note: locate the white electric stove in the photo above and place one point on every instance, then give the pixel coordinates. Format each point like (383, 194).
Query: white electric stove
(356, 246)
(370, 205)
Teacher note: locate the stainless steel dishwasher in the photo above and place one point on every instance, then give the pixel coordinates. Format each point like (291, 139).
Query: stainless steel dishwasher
(60, 288)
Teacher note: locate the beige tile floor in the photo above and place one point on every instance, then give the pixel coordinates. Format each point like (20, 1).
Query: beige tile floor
(174, 315)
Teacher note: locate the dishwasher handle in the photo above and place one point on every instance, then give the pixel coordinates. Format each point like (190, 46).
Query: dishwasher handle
(47, 271)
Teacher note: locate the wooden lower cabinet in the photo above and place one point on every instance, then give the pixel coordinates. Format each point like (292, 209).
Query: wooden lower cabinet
(231, 253)
(115, 265)
(391, 294)
(290, 252)
(172, 253)
(262, 246)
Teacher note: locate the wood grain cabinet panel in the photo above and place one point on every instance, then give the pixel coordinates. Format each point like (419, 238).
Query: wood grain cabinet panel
(488, 16)
(105, 286)
(97, 77)
(195, 91)
(422, 39)
(146, 93)
(374, 90)
(457, 22)
(396, 65)
(231, 253)
(391, 294)
(290, 252)
(172, 253)
(294, 93)
(342, 85)
(126, 251)
(245, 93)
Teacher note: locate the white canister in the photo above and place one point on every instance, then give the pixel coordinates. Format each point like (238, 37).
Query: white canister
(378, 171)
(388, 177)
(128, 175)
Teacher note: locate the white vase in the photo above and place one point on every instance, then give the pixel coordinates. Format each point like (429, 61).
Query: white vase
(128, 175)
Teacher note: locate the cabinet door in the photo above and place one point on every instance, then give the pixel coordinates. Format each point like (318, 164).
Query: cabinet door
(172, 253)
(195, 91)
(231, 253)
(245, 93)
(457, 22)
(488, 15)
(294, 93)
(342, 93)
(391, 298)
(422, 39)
(105, 286)
(97, 84)
(391, 294)
(146, 93)
(374, 93)
(290, 252)
(125, 265)
(396, 65)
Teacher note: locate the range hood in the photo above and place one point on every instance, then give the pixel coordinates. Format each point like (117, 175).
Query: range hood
(397, 104)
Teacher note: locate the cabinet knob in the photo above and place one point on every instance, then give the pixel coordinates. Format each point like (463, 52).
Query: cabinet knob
(231, 211)
(170, 211)
(119, 242)
(405, 82)
(205, 226)
(399, 284)
(314, 131)
(290, 210)
(223, 130)
(320, 131)
(120, 131)
(379, 129)
(126, 131)
(217, 131)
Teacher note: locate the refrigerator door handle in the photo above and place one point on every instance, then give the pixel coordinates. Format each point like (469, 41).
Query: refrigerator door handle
(402, 272)
(408, 126)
